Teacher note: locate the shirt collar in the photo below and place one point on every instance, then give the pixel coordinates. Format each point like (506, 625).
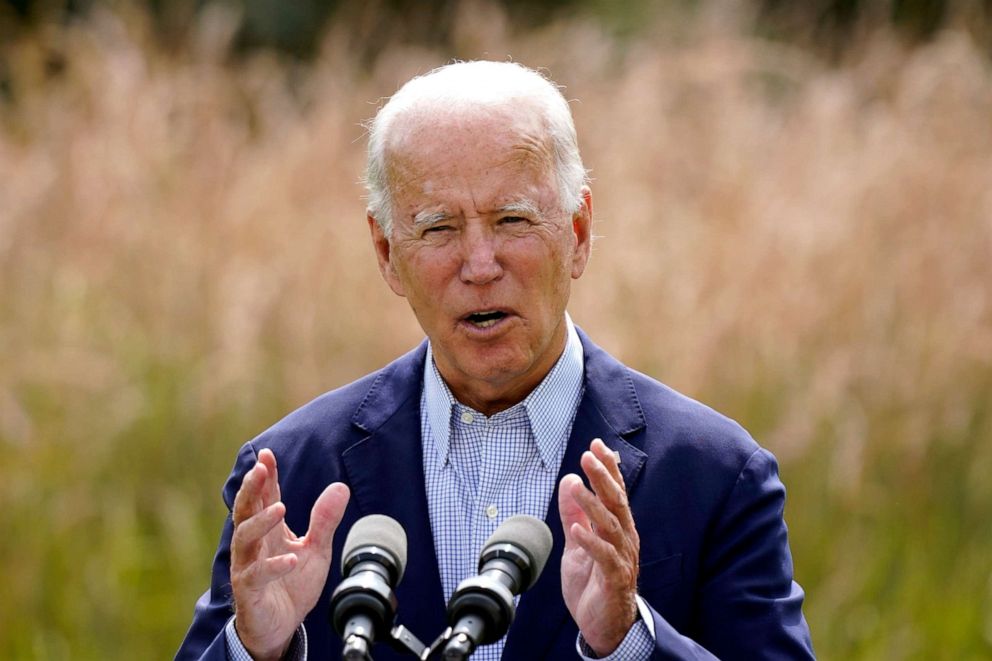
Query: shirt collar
(550, 407)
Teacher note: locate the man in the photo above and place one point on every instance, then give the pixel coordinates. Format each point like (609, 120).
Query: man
(481, 218)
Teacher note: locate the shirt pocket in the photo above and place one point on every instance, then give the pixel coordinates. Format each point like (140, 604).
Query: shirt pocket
(659, 573)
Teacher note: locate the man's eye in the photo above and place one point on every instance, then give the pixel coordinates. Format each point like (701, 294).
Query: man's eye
(437, 229)
(513, 219)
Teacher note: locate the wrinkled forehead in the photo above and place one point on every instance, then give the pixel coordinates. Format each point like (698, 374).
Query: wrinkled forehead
(431, 137)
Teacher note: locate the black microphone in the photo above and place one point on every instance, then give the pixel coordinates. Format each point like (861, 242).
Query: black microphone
(482, 609)
(363, 605)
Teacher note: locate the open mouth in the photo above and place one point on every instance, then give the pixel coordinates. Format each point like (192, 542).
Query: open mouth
(486, 318)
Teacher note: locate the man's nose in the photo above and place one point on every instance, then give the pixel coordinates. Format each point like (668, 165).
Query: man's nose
(480, 259)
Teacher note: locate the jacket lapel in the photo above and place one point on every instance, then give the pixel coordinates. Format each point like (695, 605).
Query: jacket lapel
(385, 471)
(609, 410)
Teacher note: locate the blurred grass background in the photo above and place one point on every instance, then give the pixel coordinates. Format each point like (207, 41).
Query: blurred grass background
(795, 210)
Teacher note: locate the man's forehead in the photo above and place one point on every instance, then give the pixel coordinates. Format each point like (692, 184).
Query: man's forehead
(433, 197)
(521, 206)
(427, 128)
(429, 197)
(432, 163)
(432, 152)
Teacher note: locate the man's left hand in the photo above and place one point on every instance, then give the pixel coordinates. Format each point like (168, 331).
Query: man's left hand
(600, 561)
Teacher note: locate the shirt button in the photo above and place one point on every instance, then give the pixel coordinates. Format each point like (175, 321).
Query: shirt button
(467, 417)
(492, 511)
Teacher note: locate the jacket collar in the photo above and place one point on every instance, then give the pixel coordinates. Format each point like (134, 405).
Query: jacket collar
(608, 387)
(609, 410)
(385, 471)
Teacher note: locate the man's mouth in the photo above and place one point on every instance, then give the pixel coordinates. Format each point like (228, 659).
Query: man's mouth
(485, 318)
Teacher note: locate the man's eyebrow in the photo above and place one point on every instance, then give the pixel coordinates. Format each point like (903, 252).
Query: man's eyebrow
(430, 217)
(521, 207)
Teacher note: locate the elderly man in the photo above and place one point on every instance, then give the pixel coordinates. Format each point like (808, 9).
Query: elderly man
(672, 547)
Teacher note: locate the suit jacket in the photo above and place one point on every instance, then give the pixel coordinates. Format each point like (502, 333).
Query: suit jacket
(715, 562)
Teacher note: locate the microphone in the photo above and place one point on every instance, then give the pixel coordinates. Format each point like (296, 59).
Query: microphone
(363, 605)
(481, 608)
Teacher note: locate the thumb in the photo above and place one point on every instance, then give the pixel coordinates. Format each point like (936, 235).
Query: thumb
(569, 508)
(326, 515)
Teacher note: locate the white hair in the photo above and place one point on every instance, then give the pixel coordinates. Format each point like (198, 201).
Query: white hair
(470, 84)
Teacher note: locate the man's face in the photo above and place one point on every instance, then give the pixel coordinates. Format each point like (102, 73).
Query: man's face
(482, 248)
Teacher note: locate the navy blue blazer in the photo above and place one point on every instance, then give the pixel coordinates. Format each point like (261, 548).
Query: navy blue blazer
(715, 562)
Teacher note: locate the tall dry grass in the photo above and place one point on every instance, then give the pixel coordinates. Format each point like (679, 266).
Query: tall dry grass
(183, 259)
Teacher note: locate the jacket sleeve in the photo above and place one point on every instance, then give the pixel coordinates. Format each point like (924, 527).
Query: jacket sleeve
(205, 639)
(749, 607)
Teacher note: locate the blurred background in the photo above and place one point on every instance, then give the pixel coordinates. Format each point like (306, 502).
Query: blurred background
(795, 209)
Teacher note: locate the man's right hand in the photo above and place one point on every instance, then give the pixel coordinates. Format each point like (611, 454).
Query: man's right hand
(276, 576)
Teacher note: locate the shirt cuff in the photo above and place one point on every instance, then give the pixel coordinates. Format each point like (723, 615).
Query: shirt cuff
(637, 645)
(236, 651)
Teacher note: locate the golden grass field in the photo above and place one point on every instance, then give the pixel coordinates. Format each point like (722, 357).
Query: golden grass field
(184, 259)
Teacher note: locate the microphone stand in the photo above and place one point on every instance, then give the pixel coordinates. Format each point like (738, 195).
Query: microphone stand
(449, 646)
(400, 639)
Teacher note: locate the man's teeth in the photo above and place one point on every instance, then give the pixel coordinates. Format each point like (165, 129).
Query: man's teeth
(485, 319)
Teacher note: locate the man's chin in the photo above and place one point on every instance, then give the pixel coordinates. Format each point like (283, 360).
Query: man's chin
(492, 368)
(490, 364)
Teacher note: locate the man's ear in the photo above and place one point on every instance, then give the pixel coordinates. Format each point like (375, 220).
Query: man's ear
(383, 255)
(582, 230)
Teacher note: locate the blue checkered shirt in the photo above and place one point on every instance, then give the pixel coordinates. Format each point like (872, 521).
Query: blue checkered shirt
(482, 470)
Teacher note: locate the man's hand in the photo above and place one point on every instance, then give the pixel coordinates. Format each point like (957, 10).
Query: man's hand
(276, 576)
(599, 564)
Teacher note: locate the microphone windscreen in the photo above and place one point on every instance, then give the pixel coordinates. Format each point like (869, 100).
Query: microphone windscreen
(381, 531)
(530, 535)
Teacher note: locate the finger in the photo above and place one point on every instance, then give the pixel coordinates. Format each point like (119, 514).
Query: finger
(610, 458)
(247, 502)
(604, 523)
(602, 483)
(258, 574)
(569, 509)
(619, 570)
(271, 493)
(601, 551)
(326, 515)
(610, 491)
(248, 534)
